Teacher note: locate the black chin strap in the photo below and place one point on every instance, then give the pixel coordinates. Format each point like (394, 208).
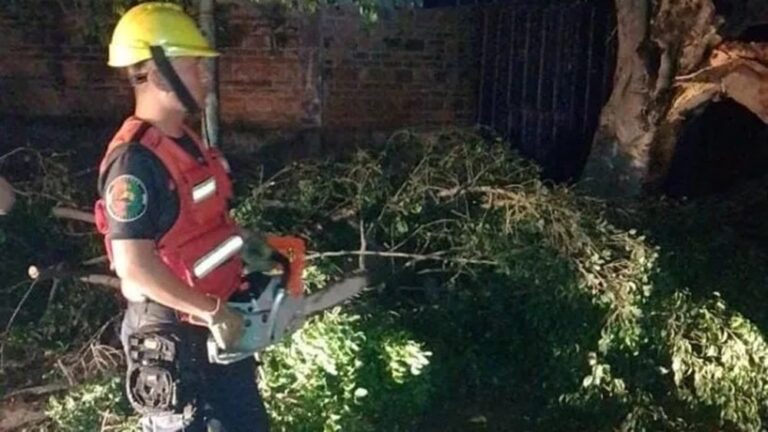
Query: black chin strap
(170, 75)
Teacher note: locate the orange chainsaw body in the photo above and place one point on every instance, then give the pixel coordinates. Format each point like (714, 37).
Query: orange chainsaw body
(294, 250)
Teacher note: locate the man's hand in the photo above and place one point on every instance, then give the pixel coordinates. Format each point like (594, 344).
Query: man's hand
(226, 325)
(257, 255)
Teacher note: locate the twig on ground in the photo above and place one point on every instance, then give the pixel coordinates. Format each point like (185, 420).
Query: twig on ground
(66, 373)
(363, 245)
(52, 294)
(40, 390)
(92, 356)
(96, 335)
(101, 279)
(14, 151)
(11, 320)
(14, 287)
(98, 260)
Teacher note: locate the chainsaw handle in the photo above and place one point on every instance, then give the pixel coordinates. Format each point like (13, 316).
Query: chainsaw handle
(272, 320)
(291, 251)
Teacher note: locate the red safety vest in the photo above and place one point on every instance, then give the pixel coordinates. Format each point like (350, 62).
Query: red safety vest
(202, 247)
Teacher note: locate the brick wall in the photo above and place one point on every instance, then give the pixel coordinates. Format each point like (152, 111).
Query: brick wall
(411, 68)
(44, 70)
(268, 74)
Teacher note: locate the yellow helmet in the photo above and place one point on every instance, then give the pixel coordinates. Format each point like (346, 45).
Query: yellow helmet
(156, 24)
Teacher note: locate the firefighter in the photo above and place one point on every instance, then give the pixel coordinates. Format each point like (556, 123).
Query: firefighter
(164, 215)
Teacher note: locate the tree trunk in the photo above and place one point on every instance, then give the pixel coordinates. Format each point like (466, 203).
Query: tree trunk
(638, 128)
(620, 152)
(210, 118)
(671, 62)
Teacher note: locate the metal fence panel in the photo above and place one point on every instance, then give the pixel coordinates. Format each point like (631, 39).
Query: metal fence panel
(546, 71)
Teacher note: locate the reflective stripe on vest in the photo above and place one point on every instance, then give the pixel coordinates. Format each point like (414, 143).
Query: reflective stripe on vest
(226, 250)
(204, 190)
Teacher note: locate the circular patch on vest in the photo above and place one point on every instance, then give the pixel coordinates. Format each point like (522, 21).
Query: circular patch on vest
(126, 198)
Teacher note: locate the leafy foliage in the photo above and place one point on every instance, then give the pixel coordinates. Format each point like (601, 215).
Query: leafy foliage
(528, 289)
(93, 406)
(343, 372)
(500, 294)
(719, 360)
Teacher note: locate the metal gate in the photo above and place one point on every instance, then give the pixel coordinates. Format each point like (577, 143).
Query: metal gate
(546, 71)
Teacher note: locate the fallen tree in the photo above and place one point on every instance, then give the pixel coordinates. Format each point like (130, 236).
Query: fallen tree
(529, 290)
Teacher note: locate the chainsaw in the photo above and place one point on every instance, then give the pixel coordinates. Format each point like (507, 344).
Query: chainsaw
(277, 304)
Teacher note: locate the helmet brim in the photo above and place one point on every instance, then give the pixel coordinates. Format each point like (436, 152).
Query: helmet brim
(122, 56)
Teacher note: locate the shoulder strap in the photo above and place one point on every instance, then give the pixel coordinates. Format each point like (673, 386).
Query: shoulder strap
(138, 134)
(118, 150)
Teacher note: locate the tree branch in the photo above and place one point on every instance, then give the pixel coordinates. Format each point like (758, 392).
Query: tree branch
(12, 152)
(59, 271)
(37, 390)
(74, 214)
(363, 245)
(101, 279)
(416, 257)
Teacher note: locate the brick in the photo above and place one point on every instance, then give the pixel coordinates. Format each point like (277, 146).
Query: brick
(392, 43)
(346, 74)
(374, 74)
(414, 45)
(413, 104)
(404, 75)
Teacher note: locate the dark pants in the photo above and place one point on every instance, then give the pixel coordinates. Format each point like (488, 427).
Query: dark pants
(228, 398)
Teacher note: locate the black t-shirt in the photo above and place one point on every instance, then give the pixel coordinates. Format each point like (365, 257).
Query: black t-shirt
(140, 199)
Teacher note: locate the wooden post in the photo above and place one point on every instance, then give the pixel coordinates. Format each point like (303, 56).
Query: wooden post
(210, 118)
